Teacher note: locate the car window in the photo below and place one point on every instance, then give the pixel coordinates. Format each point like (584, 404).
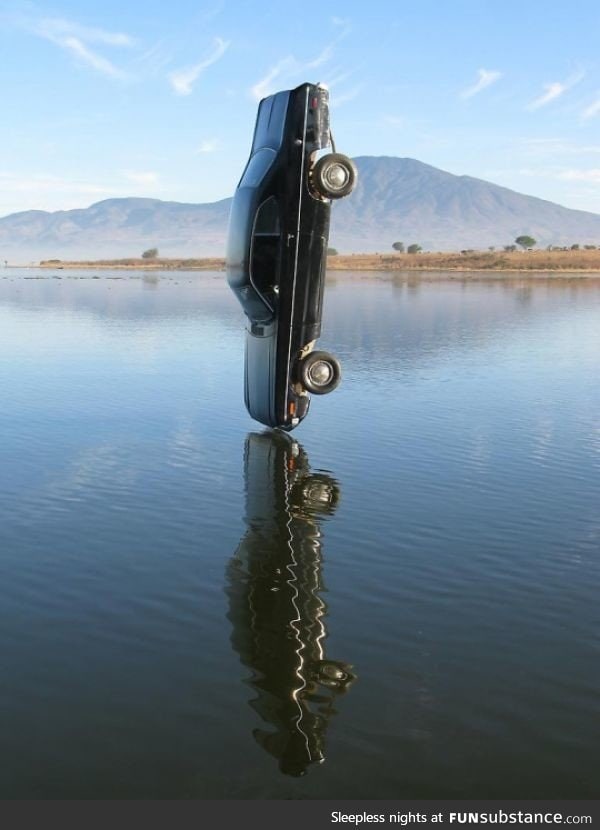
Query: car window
(270, 123)
(257, 168)
(266, 251)
(267, 217)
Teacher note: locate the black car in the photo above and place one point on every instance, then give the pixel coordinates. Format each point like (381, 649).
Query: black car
(277, 251)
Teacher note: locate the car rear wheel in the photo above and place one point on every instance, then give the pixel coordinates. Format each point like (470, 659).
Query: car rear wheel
(320, 373)
(334, 176)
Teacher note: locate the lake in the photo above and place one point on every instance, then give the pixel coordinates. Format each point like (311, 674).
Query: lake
(398, 600)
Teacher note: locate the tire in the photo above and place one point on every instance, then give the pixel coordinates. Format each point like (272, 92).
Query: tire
(320, 373)
(334, 176)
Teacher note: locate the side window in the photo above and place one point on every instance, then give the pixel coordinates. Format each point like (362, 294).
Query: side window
(266, 250)
(257, 167)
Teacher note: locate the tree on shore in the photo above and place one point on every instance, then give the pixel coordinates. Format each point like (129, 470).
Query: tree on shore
(525, 241)
(413, 249)
(398, 246)
(151, 253)
(332, 252)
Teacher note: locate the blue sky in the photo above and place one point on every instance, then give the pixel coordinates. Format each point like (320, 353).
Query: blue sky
(159, 99)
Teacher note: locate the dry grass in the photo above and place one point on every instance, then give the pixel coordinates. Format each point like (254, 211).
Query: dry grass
(474, 261)
(205, 264)
(566, 261)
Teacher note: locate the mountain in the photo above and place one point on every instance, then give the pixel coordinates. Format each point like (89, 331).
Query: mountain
(116, 228)
(396, 199)
(406, 200)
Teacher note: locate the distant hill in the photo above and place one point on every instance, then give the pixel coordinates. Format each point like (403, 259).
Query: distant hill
(396, 199)
(116, 228)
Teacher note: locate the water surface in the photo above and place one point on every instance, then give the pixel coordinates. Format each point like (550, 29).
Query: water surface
(398, 600)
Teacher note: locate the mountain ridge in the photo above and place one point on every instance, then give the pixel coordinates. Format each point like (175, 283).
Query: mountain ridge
(396, 199)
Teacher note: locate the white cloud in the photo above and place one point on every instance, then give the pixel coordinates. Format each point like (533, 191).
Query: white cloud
(592, 110)
(550, 146)
(347, 96)
(264, 87)
(141, 177)
(207, 146)
(54, 28)
(336, 77)
(49, 192)
(183, 80)
(93, 59)
(43, 183)
(555, 90)
(75, 39)
(325, 55)
(487, 77)
(290, 70)
(592, 175)
(44, 191)
(557, 173)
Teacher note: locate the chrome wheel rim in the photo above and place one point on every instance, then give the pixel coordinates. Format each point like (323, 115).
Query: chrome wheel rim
(320, 373)
(336, 177)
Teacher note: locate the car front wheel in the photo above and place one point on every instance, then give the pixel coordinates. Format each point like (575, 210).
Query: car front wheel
(320, 373)
(334, 176)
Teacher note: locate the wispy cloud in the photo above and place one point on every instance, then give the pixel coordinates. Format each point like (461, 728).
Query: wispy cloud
(564, 174)
(336, 77)
(591, 175)
(47, 191)
(289, 69)
(592, 110)
(486, 77)
(555, 89)
(339, 100)
(91, 58)
(264, 86)
(141, 177)
(154, 60)
(43, 183)
(74, 38)
(325, 55)
(183, 80)
(556, 146)
(55, 27)
(207, 146)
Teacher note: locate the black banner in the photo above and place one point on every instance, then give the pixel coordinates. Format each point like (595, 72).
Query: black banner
(300, 815)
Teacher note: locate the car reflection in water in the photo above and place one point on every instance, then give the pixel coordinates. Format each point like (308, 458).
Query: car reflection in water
(278, 616)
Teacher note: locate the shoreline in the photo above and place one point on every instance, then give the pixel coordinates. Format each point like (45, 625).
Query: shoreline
(579, 263)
